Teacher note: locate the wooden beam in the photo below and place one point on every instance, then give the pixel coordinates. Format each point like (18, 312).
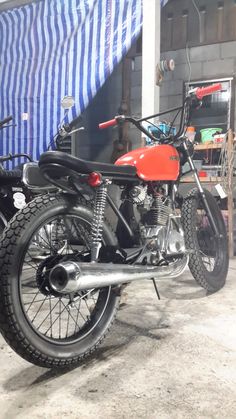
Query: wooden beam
(208, 146)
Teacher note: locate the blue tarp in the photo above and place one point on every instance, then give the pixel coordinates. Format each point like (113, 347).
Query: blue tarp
(50, 49)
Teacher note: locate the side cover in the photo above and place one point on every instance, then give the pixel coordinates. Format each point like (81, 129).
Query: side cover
(159, 162)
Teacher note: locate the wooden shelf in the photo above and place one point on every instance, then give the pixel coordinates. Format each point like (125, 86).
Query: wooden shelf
(191, 179)
(208, 146)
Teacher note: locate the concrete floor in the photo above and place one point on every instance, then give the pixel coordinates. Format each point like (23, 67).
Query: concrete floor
(170, 359)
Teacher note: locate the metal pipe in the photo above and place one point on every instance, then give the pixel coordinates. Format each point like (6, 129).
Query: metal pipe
(70, 277)
(120, 216)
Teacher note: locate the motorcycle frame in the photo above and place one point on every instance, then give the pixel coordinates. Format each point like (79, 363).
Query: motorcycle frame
(172, 185)
(180, 135)
(178, 140)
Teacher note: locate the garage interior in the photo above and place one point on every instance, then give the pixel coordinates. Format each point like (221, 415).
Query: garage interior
(168, 358)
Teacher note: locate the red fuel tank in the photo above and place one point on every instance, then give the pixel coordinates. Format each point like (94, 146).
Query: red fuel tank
(159, 162)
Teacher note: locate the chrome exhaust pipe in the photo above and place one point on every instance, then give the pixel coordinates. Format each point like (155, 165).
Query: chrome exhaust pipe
(70, 277)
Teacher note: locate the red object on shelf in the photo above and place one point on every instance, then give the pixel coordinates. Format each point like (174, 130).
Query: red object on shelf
(202, 173)
(219, 138)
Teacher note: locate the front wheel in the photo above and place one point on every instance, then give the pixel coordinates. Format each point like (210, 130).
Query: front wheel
(46, 328)
(209, 259)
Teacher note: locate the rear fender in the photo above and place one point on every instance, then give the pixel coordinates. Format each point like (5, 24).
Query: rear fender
(33, 178)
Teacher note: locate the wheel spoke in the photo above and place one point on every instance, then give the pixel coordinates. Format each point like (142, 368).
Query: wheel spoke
(68, 309)
(51, 315)
(39, 309)
(32, 302)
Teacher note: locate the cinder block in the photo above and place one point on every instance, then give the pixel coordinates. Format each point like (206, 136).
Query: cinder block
(135, 137)
(228, 50)
(170, 88)
(138, 63)
(168, 76)
(196, 71)
(164, 89)
(135, 107)
(136, 78)
(205, 53)
(175, 101)
(218, 68)
(179, 56)
(183, 72)
(113, 108)
(136, 92)
(164, 103)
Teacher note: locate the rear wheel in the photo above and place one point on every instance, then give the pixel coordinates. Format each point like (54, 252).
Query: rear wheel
(209, 258)
(42, 326)
(3, 222)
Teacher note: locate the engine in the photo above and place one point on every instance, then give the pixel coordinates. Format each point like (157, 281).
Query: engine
(160, 227)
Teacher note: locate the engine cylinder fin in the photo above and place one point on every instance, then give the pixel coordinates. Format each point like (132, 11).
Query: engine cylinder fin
(159, 212)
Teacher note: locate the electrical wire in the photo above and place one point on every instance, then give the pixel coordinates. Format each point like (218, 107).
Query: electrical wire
(200, 21)
(200, 40)
(189, 64)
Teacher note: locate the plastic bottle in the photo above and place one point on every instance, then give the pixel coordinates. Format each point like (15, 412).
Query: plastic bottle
(190, 134)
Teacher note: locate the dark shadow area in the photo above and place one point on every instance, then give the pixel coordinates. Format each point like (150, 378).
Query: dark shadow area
(123, 334)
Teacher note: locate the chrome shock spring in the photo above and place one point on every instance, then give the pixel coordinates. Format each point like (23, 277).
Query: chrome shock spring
(98, 218)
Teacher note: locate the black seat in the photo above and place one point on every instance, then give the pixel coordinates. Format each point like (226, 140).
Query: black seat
(9, 176)
(58, 158)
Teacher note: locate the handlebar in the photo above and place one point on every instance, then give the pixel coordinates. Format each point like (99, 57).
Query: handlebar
(14, 156)
(6, 120)
(107, 124)
(200, 92)
(197, 93)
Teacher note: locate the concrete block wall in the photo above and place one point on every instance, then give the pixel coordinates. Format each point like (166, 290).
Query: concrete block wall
(136, 99)
(206, 62)
(196, 63)
(94, 144)
(98, 145)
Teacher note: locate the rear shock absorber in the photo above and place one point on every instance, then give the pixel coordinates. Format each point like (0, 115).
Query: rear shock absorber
(98, 218)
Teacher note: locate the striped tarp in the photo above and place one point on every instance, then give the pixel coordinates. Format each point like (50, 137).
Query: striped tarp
(163, 2)
(50, 49)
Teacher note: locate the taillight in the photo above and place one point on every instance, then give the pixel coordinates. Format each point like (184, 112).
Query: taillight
(94, 179)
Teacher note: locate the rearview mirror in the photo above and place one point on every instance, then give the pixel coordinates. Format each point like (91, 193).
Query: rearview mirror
(67, 102)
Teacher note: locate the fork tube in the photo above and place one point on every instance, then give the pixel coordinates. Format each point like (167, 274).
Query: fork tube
(201, 190)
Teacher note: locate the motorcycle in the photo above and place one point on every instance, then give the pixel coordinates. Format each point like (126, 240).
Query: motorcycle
(13, 192)
(57, 306)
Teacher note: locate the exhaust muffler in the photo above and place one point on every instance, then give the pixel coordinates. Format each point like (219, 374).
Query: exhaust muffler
(70, 277)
